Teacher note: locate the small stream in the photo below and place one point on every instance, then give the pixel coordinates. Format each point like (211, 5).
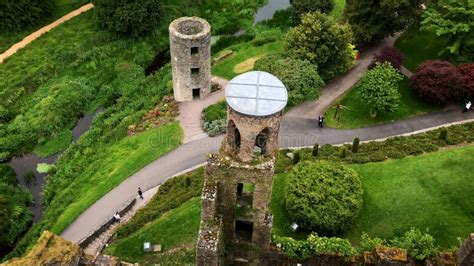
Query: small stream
(266, 12)
(27, 163)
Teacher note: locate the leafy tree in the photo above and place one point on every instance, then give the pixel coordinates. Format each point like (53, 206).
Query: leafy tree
(467, 70)
(322, 197)
(128, 17)
(454, 19)
(16, 15)
(372, 21)
(379, 88)
(438, 82)
(300, 7)
(300, 77)
(388, 54)
(323, 42)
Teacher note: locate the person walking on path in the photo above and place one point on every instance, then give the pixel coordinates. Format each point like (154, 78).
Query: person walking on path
(320, 121)
(140, 192)
(468, 106)
(117, 217)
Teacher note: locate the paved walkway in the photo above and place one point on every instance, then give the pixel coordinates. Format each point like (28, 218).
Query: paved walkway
(190, 112)
(28, 39)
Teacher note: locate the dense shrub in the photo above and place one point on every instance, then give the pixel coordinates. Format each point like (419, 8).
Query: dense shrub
(314, 246)
(315, 150)
(300, 7)
(467, 70)
(419, 245)
(300, 77)
(296, 158)
(323, 42)
(388, 54)
(379, 88)
(215, 127)
(15, 217)
(17, 15)
(438, 81)
(355, 145)
(128, 17)
(323, 198)
(170, 195)
(215, 112)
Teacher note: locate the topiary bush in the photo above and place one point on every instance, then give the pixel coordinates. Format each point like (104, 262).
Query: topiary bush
(17, 15)
(438, 82)
(299, 76)
(323, 198)
(315, 150)
(388, 54)
(355, 145)
(128, 17)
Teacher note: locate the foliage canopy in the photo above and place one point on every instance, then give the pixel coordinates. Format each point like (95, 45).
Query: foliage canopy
(17, 15)
(323, 198)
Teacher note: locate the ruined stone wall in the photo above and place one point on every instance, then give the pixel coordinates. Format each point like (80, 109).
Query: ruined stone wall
(249, 127)
(190, 48)
(466, 252)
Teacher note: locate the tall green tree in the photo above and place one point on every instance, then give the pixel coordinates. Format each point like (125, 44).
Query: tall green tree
(19, 14)
(301, 7)
(128, 17)
(379, 88)
(454, 19)
(323, 42)
(373, 20)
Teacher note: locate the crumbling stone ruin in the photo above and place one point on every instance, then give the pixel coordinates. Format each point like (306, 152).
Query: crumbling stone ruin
(235, 216)
(190, 48)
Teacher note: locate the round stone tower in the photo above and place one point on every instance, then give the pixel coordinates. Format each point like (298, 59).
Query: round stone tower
(190, 47)
(256, 100)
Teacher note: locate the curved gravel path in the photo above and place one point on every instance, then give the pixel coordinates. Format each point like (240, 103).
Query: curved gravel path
(28, 39)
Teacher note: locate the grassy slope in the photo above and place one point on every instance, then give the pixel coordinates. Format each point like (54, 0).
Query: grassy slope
(62, 7)
(418, 46)
(242, 52)
(338, 9)
(431, 191)
(55, 145)
(356, 112)
(122, 160)
(179, 227)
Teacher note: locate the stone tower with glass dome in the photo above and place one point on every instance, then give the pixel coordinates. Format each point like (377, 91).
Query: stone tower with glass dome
(236, 220)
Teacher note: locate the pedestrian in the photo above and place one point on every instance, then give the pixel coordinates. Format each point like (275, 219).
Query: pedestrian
(320, 121)
(140, 192)
(117, 217)
(467, 107)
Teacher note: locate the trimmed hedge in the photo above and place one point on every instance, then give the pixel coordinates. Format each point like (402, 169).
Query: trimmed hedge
(391, 148)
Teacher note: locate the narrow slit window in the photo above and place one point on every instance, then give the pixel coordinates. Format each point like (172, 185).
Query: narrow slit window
(194, 70)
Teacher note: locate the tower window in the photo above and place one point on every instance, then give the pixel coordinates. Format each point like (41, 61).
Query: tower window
(245, 194)
(244, 230)
(194, 50)
(194, 70)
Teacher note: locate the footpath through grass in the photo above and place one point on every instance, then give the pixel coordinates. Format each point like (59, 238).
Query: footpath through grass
(356, 112)
(62, 8)
(122, 160)
(176, 232)
(430, 192)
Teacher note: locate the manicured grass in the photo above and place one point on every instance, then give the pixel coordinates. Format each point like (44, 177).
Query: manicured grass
(121, 160)
(356, 114)
(55, 145)
(62, 7)
(177, 230)
(431, 191)
(338, 9)
(242, 52)
(418, 46)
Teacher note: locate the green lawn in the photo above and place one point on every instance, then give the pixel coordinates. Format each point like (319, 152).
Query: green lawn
(121, 160)
(338, 9)
(243, 58)
(418, 46)
(355, 113)
(431, 192)
(177, 230)
(62, 7)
